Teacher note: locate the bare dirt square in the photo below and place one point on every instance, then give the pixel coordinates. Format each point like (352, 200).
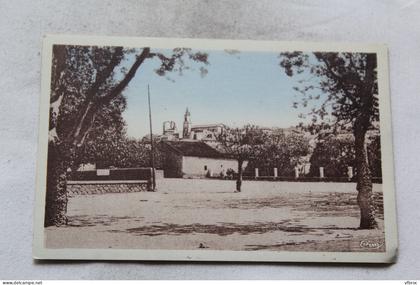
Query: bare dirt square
(206, 214)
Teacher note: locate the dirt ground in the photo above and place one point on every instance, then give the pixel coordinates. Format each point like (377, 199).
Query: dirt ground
(207, 214)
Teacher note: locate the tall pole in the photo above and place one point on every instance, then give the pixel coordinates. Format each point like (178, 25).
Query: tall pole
(152, 155)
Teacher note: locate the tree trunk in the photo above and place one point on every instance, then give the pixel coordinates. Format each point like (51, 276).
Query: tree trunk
(239, 179)
(364, 181)
(61, 153)
(56, 200)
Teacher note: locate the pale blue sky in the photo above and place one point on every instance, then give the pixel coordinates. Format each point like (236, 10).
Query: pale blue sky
(248, 87)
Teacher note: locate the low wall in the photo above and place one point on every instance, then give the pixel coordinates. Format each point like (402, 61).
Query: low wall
(115, 174)
(309, 179)
(102, 187)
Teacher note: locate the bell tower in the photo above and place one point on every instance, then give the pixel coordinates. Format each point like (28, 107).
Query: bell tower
(186, 131)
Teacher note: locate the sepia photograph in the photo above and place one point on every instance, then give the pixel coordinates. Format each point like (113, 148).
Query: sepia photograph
(214, 150)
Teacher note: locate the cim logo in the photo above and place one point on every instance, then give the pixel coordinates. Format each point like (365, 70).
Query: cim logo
(371, 244)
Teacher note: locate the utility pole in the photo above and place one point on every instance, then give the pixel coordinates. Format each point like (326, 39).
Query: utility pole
(152, 155)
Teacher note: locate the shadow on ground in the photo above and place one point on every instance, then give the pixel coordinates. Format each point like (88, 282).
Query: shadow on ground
(98, 220)
(224, 229)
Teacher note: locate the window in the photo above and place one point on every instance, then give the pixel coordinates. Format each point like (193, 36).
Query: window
(205, 167)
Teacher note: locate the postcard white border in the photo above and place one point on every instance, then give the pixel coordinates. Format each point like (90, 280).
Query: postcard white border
(390, 222)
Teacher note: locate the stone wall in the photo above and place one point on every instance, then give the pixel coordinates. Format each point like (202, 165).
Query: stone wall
(75, 188)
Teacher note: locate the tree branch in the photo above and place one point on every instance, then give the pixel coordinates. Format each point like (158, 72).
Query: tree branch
(90, 96)
(339, 79)
(124, 82)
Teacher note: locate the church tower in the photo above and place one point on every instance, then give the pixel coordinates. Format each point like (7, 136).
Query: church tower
(186, 131)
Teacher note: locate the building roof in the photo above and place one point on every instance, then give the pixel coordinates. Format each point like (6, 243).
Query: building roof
(194, 148)
(206, 126)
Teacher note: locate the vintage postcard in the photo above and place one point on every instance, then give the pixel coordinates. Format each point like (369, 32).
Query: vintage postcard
(214, 150)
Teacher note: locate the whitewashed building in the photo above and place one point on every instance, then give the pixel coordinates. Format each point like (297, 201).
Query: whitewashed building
(195, 159)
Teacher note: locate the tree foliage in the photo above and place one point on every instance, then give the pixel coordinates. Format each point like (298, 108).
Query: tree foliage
(337, 88)
(337, 153)
(109, 151)
(242, 144)
(87, 84)
(86, 104)
(344, 84)
(282, 151)
(334, 154)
